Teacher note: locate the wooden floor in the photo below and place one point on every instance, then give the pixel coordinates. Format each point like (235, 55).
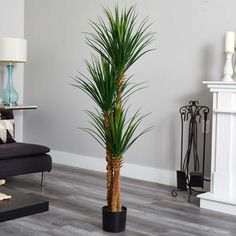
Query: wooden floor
(76, 197)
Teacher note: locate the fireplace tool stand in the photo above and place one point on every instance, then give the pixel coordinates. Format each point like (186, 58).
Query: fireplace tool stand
(193, 114)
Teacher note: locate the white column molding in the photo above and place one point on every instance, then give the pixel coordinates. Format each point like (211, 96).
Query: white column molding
(228, 68)
(222, 196)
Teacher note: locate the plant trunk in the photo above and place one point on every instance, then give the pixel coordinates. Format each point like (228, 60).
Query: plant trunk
(109, 168)
(116, 164)
(119, 89)
(109, 178)
(115, 201)
(113, 166)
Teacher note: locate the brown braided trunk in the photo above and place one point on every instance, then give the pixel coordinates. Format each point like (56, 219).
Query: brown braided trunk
(113, 166)
(118, 200)
(109, 168)
(116, 164)
(109, 178)
(115, 202)
(122, 80)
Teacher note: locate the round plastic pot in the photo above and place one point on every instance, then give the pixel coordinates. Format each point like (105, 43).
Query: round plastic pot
(114, 222)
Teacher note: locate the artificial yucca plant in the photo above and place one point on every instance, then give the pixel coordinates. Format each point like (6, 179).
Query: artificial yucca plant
(119, 43)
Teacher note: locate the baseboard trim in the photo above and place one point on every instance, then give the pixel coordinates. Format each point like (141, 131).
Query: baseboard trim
(130, 170)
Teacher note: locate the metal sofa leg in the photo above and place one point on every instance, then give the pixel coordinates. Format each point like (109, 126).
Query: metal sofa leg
(42, 179)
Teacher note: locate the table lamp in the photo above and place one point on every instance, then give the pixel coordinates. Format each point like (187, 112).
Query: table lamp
(12, 50)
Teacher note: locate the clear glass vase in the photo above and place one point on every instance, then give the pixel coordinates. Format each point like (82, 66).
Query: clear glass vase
(10, 95)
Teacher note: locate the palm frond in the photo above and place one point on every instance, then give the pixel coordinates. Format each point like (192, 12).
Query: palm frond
(121, 135)
(101, 85)
(119, 41)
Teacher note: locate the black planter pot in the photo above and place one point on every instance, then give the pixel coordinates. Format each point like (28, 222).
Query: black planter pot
(114, 221)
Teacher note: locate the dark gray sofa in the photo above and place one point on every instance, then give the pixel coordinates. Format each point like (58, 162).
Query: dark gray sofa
(22, 158)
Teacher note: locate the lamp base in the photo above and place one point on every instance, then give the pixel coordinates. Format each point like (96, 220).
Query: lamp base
(10, 99)
(10, 95)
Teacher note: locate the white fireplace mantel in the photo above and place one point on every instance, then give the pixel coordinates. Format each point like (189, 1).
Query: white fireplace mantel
(222, 196)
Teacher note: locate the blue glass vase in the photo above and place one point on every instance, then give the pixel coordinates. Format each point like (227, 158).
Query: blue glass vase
(10, 95)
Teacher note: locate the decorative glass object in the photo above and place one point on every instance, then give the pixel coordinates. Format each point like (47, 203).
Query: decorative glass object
(10, 95)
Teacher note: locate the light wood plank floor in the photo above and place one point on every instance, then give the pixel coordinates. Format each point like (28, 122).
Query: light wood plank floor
(76, 197)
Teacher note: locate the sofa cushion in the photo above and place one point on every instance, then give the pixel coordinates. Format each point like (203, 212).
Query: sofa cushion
(14, 150)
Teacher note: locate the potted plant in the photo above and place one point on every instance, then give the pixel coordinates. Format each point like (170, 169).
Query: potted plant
(119, 43)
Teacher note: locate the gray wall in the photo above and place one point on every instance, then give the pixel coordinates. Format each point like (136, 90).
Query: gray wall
(189, 42)
(12, 25)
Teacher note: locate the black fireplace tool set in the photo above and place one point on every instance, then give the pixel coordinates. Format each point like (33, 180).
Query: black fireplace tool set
(192, 115)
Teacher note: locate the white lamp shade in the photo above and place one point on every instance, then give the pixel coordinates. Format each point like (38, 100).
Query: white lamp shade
(13, 50)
